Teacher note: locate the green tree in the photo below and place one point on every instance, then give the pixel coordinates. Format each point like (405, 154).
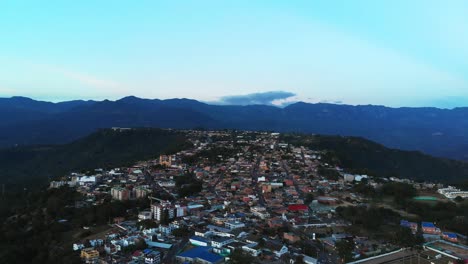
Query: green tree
(309, 198)
(238, 256)
(345, 249)
(181, 232)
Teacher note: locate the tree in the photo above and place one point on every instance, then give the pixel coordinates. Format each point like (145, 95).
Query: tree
(458, 199)
(345, 249)
(309, 198)
(181, 232)
(364, 189)
(400, 191)
(238, 256)
(299, 259)
(147, 224)
(329, 174)
(403, 237)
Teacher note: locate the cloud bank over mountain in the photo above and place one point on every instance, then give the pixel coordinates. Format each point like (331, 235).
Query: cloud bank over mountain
(263, 98)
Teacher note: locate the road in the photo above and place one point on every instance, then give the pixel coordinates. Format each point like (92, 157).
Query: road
(255, 185)
(169, 256)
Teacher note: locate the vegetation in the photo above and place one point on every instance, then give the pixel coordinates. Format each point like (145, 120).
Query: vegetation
(182, 232)
(401, 192)
(212, 155)
(42, 231)
(188, 185)
(404, 238)
(358, 155)
(447, 215)
(330, 174)
(37, 224)
(345, 249)
(32, 166)
(238, 256)
(368, 218)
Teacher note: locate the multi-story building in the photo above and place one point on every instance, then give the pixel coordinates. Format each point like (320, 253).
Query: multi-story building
(165, 160)
(90, 255)
(120, 193)
(260, 212)
(234, 225)
(181, 211)
(153, 257)
(162, 210)
(141, 192)
(452, 192)
(219, 242)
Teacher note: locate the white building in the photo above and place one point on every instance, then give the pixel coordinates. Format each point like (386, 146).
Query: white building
(234, 224)
(153, 258)
(181, 211)
(159, 209)
(219, 242)
(452, 192)
(253, 249)
(144, 215)
(260, 212)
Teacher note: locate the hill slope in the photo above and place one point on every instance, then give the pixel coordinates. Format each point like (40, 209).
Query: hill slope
(105, 148)
(439, 132)
(363, 156)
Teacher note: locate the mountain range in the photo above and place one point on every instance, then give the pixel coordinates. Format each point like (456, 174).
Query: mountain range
(438, 132)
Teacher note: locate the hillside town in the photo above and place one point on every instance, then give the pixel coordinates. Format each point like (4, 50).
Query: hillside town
(255, 197)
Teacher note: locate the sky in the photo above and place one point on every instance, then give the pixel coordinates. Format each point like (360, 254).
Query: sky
(389, 52)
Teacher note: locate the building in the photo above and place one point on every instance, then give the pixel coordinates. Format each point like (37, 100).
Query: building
(455, 251)
(201, 255)
(58, 184)
(152, 256)
(86, 180)
(90, 255)
(260, 212)
(141, 192)
(291, 237)
(165, 160)
(180, 211)
(219, 242)
(412, 225)
(199, 241)
(234, 225)
(298, 208)
(277, 248)
(253, 249)
(145, 215)
(452, 192)
(119, 193)
(429, 228)
(452, 237)
(327, 200)
(163, 210)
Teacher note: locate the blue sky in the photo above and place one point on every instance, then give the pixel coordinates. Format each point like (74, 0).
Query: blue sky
(395, 53)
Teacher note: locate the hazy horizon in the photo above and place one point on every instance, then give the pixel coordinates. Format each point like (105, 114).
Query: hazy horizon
(244, 100)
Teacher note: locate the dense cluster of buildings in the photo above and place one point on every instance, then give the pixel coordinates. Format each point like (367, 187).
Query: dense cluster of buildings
(260, 196)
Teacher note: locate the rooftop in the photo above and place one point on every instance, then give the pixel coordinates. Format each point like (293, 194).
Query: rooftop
(201, 253)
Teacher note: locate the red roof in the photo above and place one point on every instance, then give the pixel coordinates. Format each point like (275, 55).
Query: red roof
(298, 207)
